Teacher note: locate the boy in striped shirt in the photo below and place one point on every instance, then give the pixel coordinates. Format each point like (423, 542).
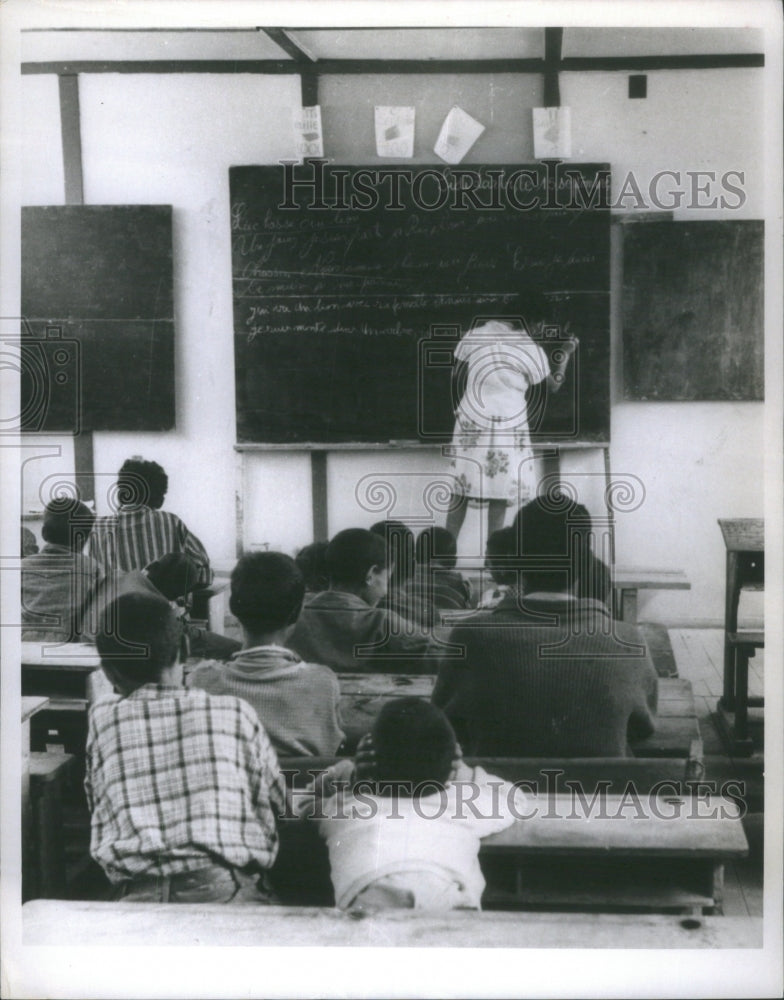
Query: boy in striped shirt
(184, 787)
(140, 532)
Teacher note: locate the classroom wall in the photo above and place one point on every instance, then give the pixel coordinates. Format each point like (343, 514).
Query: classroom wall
(171, 138)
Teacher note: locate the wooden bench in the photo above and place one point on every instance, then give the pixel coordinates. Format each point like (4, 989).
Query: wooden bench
(362, 696)
(67, 923)
(549, 775)
(61, 923)
(623, 852)
(602, 834)
(63, 677)
(628, 580)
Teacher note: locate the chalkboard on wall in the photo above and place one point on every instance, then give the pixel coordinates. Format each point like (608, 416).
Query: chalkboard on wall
(349, 297)
(97, 344)
(693, 310)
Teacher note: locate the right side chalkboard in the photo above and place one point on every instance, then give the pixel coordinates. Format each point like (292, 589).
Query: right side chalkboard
(693, 310)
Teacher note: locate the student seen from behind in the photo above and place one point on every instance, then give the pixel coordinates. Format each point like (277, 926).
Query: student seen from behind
(345, 628)
(59, 582)
(437, 585)
(140, 532)
(184, 787)
(311, 561)
(547, 672)
(297, 702)
(405, 836)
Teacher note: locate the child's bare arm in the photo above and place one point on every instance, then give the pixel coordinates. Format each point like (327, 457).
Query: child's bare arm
(561, 357)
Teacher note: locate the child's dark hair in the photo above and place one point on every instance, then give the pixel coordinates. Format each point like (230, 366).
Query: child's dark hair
(174, 574)
(352, 553)
(141, 482)
(138, 637)
(311, 561)
(415, 748)
(551, 528)
(500, 555)
(436, 545)
(67, 522)
(267, 590)
(399, 539)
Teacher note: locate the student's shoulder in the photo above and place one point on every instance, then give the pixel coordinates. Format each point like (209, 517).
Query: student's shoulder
(227, 706)
(205, 674)
(320, 672)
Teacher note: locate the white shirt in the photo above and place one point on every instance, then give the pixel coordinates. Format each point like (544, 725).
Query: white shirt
(370, 837)
(502, 364)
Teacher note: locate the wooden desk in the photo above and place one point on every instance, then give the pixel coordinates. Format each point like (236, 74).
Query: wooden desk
(363, 695)
(627, 580)
(619, 851)
(65, 923)
(744, 540)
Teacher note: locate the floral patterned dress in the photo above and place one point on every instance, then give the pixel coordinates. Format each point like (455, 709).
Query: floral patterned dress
(491, 451)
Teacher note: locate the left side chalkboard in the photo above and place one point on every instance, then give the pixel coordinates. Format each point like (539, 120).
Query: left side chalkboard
(97, 331)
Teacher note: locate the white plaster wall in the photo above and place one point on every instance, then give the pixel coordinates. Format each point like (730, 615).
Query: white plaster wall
(171, 138)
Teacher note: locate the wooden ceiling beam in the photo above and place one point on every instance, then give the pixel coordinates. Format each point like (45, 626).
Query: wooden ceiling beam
(388, 66)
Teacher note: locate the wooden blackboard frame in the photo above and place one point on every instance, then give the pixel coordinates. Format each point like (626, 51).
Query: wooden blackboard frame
(274, 390)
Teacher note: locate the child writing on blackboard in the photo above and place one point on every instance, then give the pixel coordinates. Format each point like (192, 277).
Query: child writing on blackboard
(491, 452)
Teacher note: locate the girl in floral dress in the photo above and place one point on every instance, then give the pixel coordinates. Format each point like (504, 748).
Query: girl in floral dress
(491, 451)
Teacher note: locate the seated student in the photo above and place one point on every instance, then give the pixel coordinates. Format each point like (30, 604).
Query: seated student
(59, 582)
(29, 545)
(174, 576)
(407, 837)
(595, 579)
(140, 532)
(499, 554)
(311, 561)
(183, 786)
(399, 540)
(436, 584)
(343, 628)
(547, 673)
(296, 702)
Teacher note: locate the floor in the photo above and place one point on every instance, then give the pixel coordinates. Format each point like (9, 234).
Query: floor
(699, 654)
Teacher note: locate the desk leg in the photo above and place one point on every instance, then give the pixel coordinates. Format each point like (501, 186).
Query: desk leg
(629, 606)
(742, 744)
(718, 889)
(731, 598)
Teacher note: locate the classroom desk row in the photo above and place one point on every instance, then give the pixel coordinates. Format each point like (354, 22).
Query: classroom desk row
(60, 673)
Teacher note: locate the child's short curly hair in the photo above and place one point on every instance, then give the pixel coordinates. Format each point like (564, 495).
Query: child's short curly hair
(415, 747)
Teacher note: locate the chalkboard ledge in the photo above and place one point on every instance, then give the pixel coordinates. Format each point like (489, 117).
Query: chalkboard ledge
(246, 446)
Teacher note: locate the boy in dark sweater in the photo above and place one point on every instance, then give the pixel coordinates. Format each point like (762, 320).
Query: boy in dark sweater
(547, 672)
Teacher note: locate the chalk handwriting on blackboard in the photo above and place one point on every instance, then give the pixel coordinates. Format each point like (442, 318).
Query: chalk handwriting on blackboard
(334, 304)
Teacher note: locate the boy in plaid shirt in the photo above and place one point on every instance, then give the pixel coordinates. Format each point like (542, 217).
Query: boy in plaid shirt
(184, 787)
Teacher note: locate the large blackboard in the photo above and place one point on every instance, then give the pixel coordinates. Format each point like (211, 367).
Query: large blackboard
(693, 310)
(346, 312)
(97, 346)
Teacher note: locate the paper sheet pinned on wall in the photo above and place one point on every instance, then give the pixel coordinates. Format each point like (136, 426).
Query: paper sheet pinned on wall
(307, 131)
(395, 131)
(552, 133)
(458, 134)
